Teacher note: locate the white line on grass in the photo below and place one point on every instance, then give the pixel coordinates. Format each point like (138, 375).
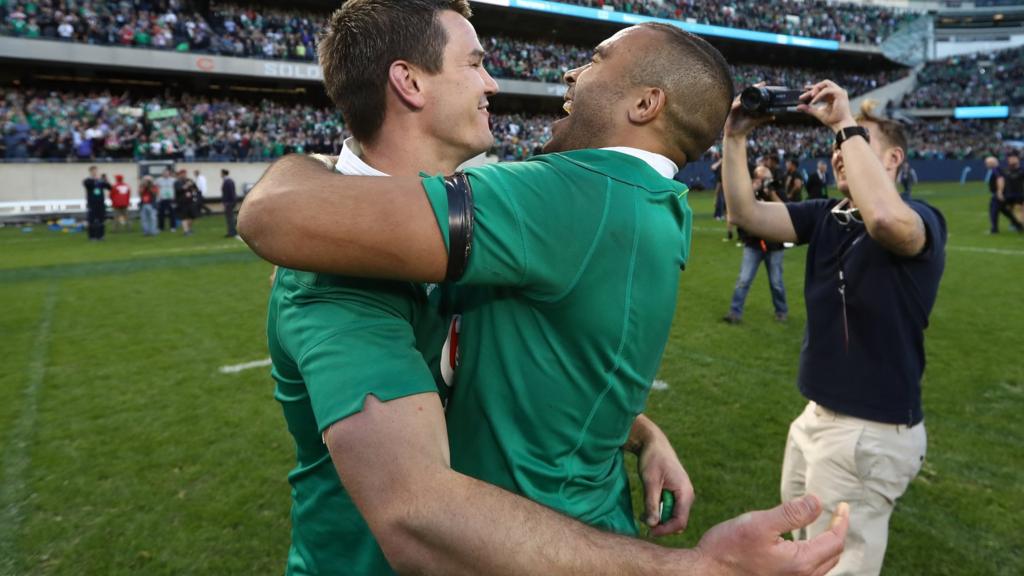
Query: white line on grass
(17, 455)
(189, 249)
(1001, 251)
(235, 368)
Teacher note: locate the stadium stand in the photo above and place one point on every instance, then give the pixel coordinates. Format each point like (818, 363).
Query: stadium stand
(976, 79)
(262, 32)
(845, 22)
(66, 126)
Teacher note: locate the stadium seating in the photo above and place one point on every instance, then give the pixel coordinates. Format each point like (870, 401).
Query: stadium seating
(845, 22)
(62, 126)
(977, 79)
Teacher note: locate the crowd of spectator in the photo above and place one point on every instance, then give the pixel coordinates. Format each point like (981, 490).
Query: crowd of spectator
(956, 139)
(245, 31)
(264, 32)
(102, 125)
(548, 61)
(38, 124)
(842, 21)
(164, 24)
(971, 80)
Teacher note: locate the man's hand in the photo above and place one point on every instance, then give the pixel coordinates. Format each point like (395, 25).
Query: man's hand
(829, 104)
(753, 543)
(740, 124)
(660, 469)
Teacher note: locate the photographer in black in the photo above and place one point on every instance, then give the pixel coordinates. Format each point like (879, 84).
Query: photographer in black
(874, 263)
(755, 251)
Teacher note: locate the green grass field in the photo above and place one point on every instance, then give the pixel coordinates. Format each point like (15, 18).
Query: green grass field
(126, 451)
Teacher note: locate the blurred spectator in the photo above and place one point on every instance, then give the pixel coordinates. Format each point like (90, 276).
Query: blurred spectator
(228, 195)
(96, 203)
(147, 206)
(186, 201)
(165, 203)
(120, 199)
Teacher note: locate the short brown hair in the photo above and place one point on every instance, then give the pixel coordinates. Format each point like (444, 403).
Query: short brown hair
(364, 37)
(891, 131)
(697, 83)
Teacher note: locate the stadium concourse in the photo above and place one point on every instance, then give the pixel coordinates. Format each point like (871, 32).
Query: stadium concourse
(139, 434)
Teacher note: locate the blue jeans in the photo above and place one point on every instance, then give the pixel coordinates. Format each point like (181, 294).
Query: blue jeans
(147, 215)
(752, 258)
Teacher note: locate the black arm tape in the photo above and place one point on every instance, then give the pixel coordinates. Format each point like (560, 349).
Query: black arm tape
(460, 224)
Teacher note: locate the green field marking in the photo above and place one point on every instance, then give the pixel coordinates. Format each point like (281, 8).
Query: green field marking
(17, 453)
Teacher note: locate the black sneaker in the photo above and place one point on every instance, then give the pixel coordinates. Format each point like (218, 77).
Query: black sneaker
(731, 318)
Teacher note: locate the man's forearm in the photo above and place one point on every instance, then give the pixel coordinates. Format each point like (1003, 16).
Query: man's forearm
(300, 215)
(470, 527)
(886, 216)
(736, 181)
(768, 220)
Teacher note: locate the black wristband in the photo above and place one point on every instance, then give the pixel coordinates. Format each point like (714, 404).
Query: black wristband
(844, 134)
(460, 224)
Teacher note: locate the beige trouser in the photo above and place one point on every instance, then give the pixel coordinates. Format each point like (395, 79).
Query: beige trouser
(869, 464)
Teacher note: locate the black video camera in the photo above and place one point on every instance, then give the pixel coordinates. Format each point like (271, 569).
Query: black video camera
(765, 100)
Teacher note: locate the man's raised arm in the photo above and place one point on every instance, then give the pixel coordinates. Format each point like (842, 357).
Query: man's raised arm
(768, 220)
(392, 458)
(301, 216)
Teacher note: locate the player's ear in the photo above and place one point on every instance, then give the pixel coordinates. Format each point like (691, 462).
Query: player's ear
(405, 82)
(646, 106)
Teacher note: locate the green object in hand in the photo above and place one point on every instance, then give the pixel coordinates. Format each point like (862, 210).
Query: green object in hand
(668, 505)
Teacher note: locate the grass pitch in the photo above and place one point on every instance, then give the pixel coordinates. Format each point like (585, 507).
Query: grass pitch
(126, 451)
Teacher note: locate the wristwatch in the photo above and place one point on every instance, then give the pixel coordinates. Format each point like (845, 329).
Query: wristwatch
(844, 134)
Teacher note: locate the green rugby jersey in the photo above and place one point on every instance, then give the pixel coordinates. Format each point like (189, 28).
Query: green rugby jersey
(334, 340)
(566, 305)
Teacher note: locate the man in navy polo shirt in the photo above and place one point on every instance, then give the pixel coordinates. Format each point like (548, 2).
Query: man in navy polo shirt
(874, 263)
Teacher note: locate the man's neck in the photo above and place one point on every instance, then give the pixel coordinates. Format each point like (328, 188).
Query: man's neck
(407, 155)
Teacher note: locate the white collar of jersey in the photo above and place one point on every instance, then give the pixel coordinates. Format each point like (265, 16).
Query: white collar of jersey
(661, 164)
(349, 161)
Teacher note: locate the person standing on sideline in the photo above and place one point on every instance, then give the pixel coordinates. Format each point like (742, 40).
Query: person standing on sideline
(228, 196)
(817, 183)
(165, 205)
(907, 177)
(96, 204)
(147, 206)
(200, 181)
(793, 190)
(120, 198)
(997, 203)
(186, 201)
(1013, 193)
(874, 262)
(755, 251)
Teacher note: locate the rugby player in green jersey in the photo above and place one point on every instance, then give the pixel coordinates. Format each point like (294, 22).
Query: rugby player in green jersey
(570, 265)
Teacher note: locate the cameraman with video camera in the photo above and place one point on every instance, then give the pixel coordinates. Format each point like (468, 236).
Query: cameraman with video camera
(874, 263)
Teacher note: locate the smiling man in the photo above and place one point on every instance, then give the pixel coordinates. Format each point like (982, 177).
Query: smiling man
(567, 270)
